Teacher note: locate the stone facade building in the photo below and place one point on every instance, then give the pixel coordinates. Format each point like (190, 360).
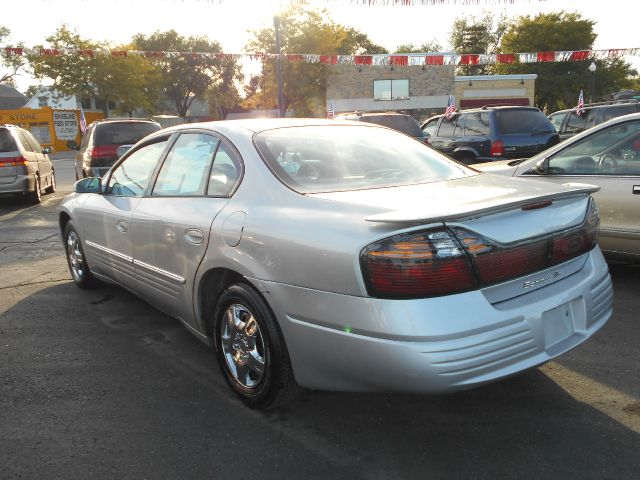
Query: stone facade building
(383, 88)
(480, 90)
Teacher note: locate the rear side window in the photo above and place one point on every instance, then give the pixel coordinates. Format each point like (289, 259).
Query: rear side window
(123, 133)
(7, 143)
(522, 122)
(448, 127)
(576, 123)
(476, 124)
(403, 123)
(26, 144)
(619, 111)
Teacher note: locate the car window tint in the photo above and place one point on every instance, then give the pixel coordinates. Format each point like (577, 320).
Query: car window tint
(123, 132)
(575, 123)
(131, 177)
(24, 140)
(618, 111)
(35, 145)
(448, 127)
(430, 127)
(312, 159)
(614, 150)
(187, 166)
(522, 121)
(7, 143)
(225, 172)
(556, 120)
(591, 118)
(476, 124)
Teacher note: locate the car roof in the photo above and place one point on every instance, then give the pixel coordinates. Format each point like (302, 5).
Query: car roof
(613, 104)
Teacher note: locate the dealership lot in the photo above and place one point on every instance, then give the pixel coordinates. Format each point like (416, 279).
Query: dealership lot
(97, 384)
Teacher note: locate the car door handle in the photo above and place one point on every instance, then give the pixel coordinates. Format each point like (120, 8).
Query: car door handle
(121, 226)
(194, 235)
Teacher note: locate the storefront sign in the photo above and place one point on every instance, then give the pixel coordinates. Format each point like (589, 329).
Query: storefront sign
(65, 124)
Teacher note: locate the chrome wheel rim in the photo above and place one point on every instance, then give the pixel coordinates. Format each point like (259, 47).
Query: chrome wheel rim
(53, 181)
(75, 256)
(243, 346)
(37, 189)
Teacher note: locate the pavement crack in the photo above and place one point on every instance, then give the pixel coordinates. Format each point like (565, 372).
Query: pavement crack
(11, 244)
(26, 284)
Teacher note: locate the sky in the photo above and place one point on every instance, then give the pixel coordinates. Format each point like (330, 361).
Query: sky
(229, 21)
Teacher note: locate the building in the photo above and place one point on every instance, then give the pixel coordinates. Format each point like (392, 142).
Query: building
(11, 98)
(479, 90)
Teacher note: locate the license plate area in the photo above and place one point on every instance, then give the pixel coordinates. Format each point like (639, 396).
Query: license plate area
(562, 322)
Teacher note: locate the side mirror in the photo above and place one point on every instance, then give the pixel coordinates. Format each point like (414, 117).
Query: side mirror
(72, 145)
(540, 168)
(47, 150)
(88, 185)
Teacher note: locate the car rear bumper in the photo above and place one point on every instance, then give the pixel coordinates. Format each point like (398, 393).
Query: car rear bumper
(20, 184)
(437, 345)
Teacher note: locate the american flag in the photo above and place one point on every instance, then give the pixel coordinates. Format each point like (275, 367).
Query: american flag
(83, 122)
(451, 107)
(330, 111)
(580, 107)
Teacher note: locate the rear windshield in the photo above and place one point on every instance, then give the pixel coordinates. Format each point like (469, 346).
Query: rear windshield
(403, 123)
(7, 143)
(523, 122)
(326, 158)
(125, 132)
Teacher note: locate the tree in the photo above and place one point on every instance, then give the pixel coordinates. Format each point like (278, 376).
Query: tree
(559, 83)
(10, 62)
(302, 31)
(131, 81)
(431, 46)
(477, 35)
(189, 75)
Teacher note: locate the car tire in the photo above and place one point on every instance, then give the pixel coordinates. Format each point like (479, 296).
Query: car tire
(250, 349)
(52, 186)
(466, 158)
(36, 196)
(78, 267)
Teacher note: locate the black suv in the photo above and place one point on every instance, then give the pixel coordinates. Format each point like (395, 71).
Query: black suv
(398, 121)
(491, 133)
(567, 122)
(102, 143)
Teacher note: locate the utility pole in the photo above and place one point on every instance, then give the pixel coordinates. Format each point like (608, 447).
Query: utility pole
(276, 26)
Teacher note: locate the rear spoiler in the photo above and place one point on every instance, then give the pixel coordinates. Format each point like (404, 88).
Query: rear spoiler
(428, 214)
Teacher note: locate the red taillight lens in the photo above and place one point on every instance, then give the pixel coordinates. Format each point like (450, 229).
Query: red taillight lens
(417, 265)
(497, 148)
(14, 162)
(426, 140)
(577, 241)
(104, 152)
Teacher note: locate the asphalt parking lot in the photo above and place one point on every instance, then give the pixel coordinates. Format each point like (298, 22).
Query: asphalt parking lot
(98, 384)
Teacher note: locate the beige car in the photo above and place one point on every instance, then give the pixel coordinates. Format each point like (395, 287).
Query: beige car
(607, 155)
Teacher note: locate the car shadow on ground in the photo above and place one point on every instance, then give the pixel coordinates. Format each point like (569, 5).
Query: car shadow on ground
(104, 370)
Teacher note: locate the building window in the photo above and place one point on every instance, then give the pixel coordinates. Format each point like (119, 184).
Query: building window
(86, 103)
(391, 89)
(43, 102)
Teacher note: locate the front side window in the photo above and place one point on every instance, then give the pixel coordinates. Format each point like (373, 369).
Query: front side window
(556, 120)
(187, 166)
(448, 127)
(614, 150)
(431, 127)
(391, 89)
(576, 123)
(312, 159)
(131, 177)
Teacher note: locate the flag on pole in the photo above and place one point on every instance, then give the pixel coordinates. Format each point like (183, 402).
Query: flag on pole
(83, 121)
(451, 107)
(330, 111)
(580, 107)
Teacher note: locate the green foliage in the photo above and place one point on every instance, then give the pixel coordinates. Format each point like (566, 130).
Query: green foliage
(432, 46)
(186, 77)
(10, 64)
(559, 83)
(302, 31)
(477, 35)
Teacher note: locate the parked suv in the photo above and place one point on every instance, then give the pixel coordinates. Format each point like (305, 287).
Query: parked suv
(398, 121)
(98, 150)
(491, 133)
(567, 122)
(25, 168)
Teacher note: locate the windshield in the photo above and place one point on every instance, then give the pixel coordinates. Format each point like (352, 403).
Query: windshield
(314, 159)
(523, 121)
(124, 133)
(403, 123)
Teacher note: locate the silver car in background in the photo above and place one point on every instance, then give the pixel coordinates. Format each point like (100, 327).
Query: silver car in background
(608, 156)
(343, 256)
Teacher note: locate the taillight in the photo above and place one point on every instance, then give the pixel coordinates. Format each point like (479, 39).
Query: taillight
(426, 140)
(447, 261)
(417, 265)
(497, 148)
(14, 162)
(104, 152)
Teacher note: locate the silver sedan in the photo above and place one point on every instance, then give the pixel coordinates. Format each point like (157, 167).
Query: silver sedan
(342, 256)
